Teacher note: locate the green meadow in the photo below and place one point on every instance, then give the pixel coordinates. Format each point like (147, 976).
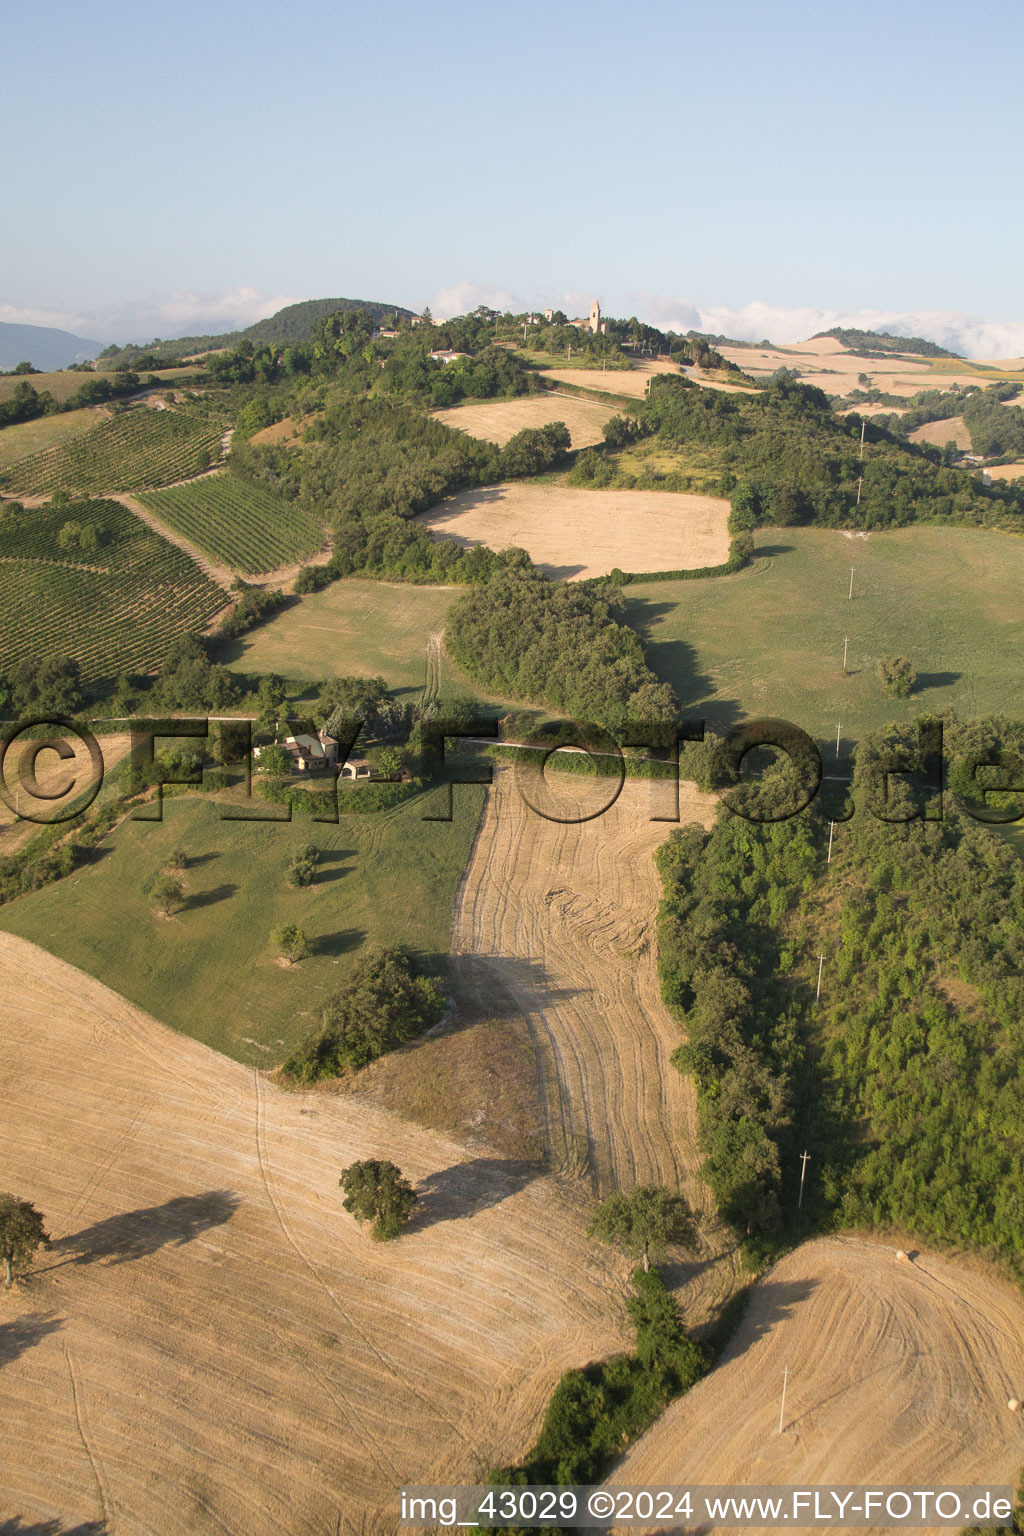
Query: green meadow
(769, 640)
(212, 971)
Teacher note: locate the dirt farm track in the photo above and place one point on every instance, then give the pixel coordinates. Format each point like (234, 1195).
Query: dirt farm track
(212, 1344)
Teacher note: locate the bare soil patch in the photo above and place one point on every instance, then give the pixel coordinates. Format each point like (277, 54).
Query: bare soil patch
(574, 533)
(899, 1375)
(210, 1325)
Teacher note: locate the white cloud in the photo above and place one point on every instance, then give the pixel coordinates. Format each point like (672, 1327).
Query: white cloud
(757, 321)
(167, 315)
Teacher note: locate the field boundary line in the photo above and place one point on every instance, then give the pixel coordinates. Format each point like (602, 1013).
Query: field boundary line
(106, 1505)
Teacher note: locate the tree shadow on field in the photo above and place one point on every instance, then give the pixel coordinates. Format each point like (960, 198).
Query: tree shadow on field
(137, 1234)
(936, 680)
(209, 898)
(341, 943)
(336, 857)
(455, 1193)
(770, 551)
(196, 859)
(771, 1302)
(20, 1527)
(23, 1332)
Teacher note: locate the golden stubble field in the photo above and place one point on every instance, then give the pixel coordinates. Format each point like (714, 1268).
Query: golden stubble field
(559, 920)
(824, 362)
(212, 1344)
(575, 533)
(899, 1375)
(495, 421)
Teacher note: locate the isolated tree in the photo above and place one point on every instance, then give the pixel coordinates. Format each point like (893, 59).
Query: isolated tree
(169, 894)
(385, 1003)
(291, 941)
(21, 1233)
(644, 1222)
(898, 675)
(302, 870)
(177, 859)
(375, 1191)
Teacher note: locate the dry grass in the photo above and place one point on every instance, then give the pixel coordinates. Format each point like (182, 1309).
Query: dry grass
(289, 430)
(495, 421)
(1005, 471)
(939, 433)
(27, 437)
(575, 533)
(360, 628)
(213, 1344)
(57, 777)
(475, 1080)
(899, 1374)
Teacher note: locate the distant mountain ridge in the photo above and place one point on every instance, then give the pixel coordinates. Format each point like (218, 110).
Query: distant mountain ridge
(290, 325)
(43, 346)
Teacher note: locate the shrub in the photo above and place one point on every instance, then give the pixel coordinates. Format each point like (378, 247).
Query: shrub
(291, 941)
(898, 675)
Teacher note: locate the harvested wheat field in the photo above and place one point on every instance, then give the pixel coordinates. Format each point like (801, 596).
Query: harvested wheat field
(212, 1344)
(899, 1374)
(559, 921)
(614, 381)
(939, 433)
(57, 776)
(495, 421)
(824, 362)
(573, 534)
(1005, 471)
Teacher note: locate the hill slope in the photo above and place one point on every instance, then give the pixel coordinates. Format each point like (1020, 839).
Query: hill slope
(43, 346)
(292, 324)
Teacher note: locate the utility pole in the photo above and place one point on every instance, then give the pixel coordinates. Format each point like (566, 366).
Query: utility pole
(846, 642)
(852, 569)
(862, 426)
(839, 724)
(782, 1410)
(860, 482)
(805, 1158)
(831, 829)
(821, 962)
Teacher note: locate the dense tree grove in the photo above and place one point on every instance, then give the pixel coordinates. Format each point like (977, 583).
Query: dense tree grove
(792, 460)
(387, 1002)
(564, 645)
(908, 1075)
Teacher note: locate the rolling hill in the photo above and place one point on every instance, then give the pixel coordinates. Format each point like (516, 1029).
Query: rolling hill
(43, 346)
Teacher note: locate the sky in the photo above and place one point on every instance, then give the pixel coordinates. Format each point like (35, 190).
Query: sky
(754, 168)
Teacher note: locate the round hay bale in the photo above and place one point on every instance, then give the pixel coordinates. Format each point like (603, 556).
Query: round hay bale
(902, 1257)
(1014, 1405)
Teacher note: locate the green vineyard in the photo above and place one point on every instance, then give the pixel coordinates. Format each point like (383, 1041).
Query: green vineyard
(244, 526)
(138, 447)
(115, 609)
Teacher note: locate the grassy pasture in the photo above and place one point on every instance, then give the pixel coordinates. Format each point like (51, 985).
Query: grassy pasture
(360, 628)
(61, 385)
(29, 437)
(769, 640)
(212, 971)
(244, 526)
